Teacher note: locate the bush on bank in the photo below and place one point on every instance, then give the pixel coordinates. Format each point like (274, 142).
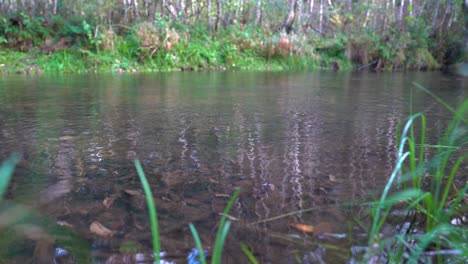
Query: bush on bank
(35, 44)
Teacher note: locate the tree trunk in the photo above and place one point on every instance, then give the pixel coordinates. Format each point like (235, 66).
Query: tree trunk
(152, 10)
(300, 8)
(209, 20)
(55, 7)
(321, 17)
(219, 11)
(465, 11)
(402, 5)
(436, 13)
(311, 6)
(366, 20)
(411, 8)
(258, 13)
(290, 17)
(136, 11)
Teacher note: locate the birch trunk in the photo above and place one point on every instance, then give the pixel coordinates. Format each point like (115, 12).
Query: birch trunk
(321, 17)
(368, 13)
(209, 20)
(300, 7)
(290, 17)
(258, 13)
(402, 5)
(219, 11)
(136, 11)
(411, 8)
(311, 6)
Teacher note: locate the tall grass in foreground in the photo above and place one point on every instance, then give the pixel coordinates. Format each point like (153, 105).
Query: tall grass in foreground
(152, 211)
(221, 234)
(6, 171)
(423, 182)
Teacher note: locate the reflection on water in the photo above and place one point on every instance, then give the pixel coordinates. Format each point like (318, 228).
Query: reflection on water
(291, 142)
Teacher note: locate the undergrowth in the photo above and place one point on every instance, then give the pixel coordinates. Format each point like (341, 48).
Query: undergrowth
(426, 186)
(77, 45)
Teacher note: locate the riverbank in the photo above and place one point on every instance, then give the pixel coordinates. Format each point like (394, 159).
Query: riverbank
(31, 45)
(81, 61)
(146, 48)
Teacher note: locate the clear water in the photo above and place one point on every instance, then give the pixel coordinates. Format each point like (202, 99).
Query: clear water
(301, 143)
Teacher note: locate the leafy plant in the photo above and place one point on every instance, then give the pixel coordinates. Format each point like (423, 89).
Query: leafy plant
(94, 38)
(427, 190)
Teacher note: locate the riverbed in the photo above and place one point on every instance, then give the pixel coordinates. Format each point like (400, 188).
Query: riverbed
(303, 148)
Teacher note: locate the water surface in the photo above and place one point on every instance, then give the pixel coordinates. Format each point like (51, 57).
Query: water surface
(290, 141)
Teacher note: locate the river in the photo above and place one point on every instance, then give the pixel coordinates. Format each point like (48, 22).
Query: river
(305, 144)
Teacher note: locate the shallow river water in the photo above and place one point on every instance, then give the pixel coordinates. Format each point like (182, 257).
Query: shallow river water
(304, 146)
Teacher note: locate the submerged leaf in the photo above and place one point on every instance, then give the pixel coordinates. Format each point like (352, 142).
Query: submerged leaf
(108, 202)
(100, 230)
(303, 228)
(133, 192)
(320, 228)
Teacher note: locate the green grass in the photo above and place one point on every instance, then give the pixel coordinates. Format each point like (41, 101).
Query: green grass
(423, 181)
(17, 218)
(6, 171)
(221, 234)
(152, 211)
(249, 254)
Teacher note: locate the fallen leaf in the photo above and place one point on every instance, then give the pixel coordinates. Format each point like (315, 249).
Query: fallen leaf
(64, 138)
(108, 201)
(303, 228)
(100, 230)
(65, 224)
(222, 195)
(133, 192)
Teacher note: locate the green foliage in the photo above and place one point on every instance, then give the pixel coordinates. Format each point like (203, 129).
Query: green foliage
(64, 62)
(221, 234)
(21, 31)
(128, 46)
(249, 254)
(12, 240)
(94, 39)
(428, 189)
(71, 28)
(152, 211)
(198, 243)
(168, 42)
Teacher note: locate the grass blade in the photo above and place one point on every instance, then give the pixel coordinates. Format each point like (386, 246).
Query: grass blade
(152, 211)
(438, 99)
(6, 171)
(198, 243)
(249, 254)
(220, 235)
